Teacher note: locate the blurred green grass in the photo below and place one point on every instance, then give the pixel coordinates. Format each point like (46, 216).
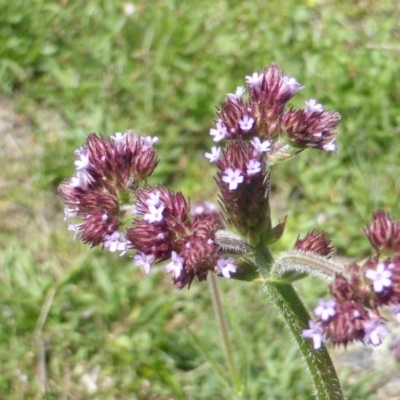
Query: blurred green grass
(74, 319)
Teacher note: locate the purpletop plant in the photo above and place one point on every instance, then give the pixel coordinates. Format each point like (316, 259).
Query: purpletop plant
(112, 206)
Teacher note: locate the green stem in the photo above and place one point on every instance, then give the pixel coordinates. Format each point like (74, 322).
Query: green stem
(223, 326)
(286, 300)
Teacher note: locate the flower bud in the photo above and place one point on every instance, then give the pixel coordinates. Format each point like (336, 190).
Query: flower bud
(383, 233)
(315, 242)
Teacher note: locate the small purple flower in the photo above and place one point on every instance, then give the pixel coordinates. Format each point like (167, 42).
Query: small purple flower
(330, 146)
(154, 199)
(315, 333)
(116, 242)
(261, 147)
(253, 167)
(238, 94)
(81, 180)
(143, 261)
(226, 266)
(291, 84)
(74, 228)
(255, 79)
(380, 277)
(325, 309)
(154, 214)
(205, 207)
(246, 123)
(119, 139)
(148, 141)
(69, 212)
(84, 162)
(176, 265)
(374, 332)
(220, 132)
(233, 178)
(214, 155)
(312, 106)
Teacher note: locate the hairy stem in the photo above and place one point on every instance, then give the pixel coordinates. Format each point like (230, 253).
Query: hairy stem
(296, 316)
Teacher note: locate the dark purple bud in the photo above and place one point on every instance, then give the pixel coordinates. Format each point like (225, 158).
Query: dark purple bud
(383, 233)
(95, 226)
(343, 289)
(315, 242)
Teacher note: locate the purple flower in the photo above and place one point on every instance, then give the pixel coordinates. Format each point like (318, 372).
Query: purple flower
(81, 180)
(261, 147)
(154, 214)
(176, 265)
(315, 333)
(330, 146)
(154, 199)
(374, 332)
(325, 309)
(233, 178)
(119, 139)
(205, 207)
(312, 106)
(143, 261)
(291, 84)
(238, 94)
(74, 228)
(69, 212)
(220, 132)
(116, 241)
(84, 162)
(214, 155)
(253, 167)
(148, 141)
(380, 277)
(246, 123)
(226, 266)
(255, 79)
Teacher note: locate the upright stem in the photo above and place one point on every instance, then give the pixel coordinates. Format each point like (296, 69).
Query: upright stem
(320, 365)
(223, 326)
(286, 300)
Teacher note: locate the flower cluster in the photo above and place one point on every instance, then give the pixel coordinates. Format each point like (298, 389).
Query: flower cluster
(261, 131)
(100, 193)
(114, 207)
(353, 313)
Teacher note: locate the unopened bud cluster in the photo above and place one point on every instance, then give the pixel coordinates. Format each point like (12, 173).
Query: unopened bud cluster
(353, 312)
(114, 207)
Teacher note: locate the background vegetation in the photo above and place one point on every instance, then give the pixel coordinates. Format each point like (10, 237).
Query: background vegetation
(77, 323)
